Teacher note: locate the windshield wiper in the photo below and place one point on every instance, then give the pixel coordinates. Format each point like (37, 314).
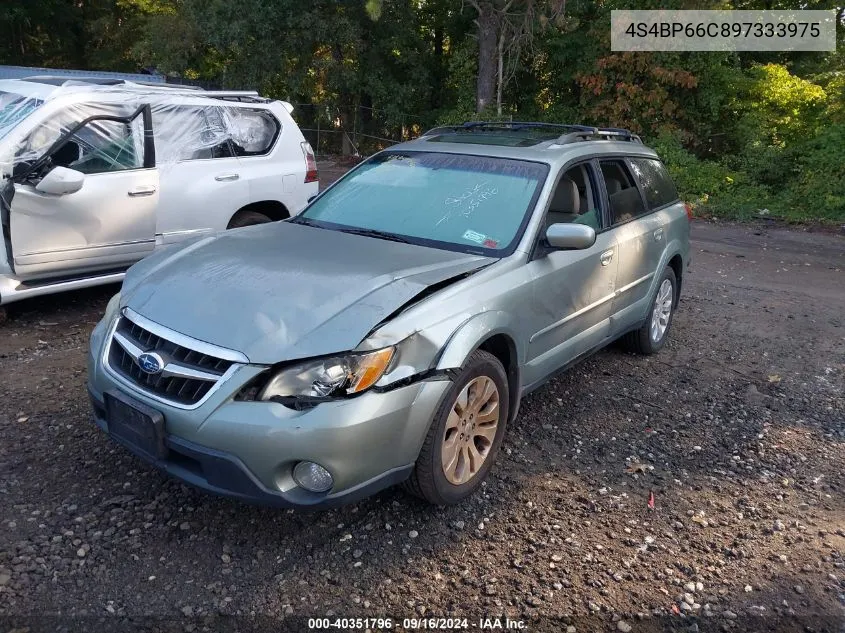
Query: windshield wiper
(392, 237)
(382, 235)
(298, 219)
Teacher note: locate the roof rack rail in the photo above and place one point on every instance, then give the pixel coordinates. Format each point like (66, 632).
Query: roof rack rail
(571, 133)
(251, 96)
(233, 95)
(470, 126)
(598, 134)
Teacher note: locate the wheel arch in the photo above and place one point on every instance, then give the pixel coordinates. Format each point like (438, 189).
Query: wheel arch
(503, 347)
(273, 209)
(676, 263)
(490, 332)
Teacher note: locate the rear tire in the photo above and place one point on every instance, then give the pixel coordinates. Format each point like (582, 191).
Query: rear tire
(465, 434)
(247, 218)
(654, 333)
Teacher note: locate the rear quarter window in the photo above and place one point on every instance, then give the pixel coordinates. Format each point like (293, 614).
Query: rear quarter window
(253, 131)
(656, 184)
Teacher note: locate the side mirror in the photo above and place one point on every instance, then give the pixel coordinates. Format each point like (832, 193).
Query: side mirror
(312, 198)
(568, 236)
(61, 181)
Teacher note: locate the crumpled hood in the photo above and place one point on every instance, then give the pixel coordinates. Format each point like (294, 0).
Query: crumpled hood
(284, 291)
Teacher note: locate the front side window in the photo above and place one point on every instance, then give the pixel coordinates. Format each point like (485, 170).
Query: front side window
(473, 204)
(102, 146)
(14, 108)
(99, 146)
(624, 198)
(658, 188)
(575, 199)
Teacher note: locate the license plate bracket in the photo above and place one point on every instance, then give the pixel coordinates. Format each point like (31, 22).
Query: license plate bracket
(136, 423)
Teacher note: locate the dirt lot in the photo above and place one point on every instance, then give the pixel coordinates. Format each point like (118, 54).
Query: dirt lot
(737, 428)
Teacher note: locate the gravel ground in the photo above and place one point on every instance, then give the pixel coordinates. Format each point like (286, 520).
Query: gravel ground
(737, 429)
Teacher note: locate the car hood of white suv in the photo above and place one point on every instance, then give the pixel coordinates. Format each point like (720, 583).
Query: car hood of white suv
(285, 291)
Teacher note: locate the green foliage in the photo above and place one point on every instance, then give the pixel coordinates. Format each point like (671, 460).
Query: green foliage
(818, 190)
(711, 187)
(781, 106)
(742, 133)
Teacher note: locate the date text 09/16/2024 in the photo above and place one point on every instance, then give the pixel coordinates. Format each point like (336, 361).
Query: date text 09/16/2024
(414, 624)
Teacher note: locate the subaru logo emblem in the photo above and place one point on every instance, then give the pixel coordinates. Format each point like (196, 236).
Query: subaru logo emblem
(150, 362)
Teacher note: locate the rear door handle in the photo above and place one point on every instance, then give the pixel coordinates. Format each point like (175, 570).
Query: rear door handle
(146, 190)
(606, 257)
(658, 234)
(226, 177)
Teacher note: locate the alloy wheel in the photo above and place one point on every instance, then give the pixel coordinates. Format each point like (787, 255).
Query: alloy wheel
(662, 311)
(470, 430)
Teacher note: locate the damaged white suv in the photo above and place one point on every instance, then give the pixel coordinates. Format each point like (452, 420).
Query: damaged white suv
(97, 174)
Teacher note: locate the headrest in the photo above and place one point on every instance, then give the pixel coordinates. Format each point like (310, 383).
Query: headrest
(613, 186)
(566, 198)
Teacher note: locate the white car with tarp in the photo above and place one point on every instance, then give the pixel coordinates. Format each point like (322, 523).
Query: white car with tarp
(98, 173)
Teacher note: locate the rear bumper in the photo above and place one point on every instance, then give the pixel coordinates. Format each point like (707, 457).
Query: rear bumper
(222, 473)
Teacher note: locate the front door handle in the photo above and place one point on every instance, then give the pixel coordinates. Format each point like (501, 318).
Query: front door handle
(226, 177)
(658, 234)
(606, 257)
(146, 190)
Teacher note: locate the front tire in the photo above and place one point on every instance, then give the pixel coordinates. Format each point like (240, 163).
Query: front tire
(465, 435)
(652, 336)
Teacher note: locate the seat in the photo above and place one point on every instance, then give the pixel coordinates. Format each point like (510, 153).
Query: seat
(626, 205)
(565, 203)
(613, 186)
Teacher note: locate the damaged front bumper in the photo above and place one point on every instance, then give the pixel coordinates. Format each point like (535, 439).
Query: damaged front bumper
(247, 450)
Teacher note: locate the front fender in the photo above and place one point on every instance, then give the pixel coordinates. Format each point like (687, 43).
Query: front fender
(473, 332)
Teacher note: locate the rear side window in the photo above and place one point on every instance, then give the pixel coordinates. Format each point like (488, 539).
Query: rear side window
(253, 131)
(623, 195)
(189, 133)
(657, 186)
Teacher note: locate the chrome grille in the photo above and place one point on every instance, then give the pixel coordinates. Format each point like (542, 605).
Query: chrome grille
(188, 375)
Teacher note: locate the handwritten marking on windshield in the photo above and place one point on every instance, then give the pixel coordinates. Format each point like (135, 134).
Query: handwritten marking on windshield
(468, 201)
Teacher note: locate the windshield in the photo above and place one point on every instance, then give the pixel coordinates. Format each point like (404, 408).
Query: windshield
(474, 204)
(14, 108)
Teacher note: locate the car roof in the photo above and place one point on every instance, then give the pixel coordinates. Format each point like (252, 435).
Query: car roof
(536, 141)
(28, 89)
(45, 87)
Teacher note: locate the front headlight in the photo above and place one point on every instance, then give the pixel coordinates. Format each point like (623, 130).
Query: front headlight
(329, 377)
(99, 331)
(111, 307)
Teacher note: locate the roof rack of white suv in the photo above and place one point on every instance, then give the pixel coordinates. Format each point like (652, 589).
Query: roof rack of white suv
(251, 96)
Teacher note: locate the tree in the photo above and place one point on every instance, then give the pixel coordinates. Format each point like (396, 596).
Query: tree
(505, 29)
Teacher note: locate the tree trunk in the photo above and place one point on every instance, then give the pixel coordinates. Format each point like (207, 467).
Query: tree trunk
(500, 71)
(439, 67)
(487, 44)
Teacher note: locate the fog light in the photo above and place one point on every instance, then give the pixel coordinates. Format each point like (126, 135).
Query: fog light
(312, 477)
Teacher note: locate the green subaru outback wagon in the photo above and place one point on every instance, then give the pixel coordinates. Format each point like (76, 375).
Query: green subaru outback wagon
(387, 333)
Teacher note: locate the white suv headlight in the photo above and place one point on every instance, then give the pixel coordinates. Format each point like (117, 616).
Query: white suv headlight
(329, 377)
